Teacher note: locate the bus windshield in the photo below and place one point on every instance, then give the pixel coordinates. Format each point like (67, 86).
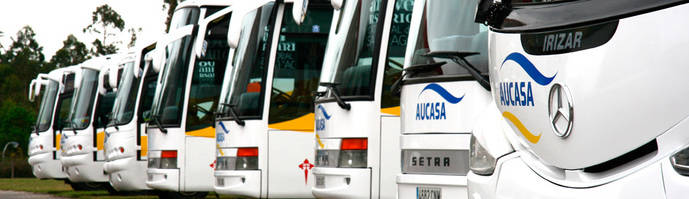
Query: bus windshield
(168, 105)
(126, 96)
(208, 74)
(82, 106)
(250, 61)
(457, 34)
(353, 71)
(298, 63)
(45, 112)
(184, 16)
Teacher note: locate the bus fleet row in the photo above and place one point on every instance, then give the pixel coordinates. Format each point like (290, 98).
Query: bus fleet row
(380, 99)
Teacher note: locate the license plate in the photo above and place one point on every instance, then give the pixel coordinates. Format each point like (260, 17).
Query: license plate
(320, 181)
(428, 193)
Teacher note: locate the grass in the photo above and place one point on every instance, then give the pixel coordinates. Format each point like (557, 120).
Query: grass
(59, 188)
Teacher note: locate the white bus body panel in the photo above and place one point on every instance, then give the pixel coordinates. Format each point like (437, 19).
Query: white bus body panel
(604, 82)
(43, 164)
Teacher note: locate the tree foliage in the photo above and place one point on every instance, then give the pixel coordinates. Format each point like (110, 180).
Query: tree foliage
(170, 5)
(107, 23)
(72, 52)
(21, 62)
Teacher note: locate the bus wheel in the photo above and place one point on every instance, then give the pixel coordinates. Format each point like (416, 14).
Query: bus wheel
(182, 195)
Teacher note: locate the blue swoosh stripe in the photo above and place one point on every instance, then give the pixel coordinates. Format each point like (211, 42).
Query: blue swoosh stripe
(325, 114)
(442, 92)
(529, 68)
(223, 128)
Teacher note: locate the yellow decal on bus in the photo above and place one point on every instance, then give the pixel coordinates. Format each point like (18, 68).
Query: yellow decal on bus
(208, 132)
(392, 110)
(57, 141)
(100, 140)
(527, 134)
(302, 124)
(144, 146)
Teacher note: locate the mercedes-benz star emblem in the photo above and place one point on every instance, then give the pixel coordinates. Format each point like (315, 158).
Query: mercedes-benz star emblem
(560, 110)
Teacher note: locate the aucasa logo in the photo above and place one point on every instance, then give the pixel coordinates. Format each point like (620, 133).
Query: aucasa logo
(521, 93)
(320, 122)
(435, 110)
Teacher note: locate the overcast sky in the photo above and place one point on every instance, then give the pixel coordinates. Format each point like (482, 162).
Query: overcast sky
(53, 20)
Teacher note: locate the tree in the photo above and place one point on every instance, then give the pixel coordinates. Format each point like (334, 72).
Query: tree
(25, 48)
(170, 5)
(106, 22)
(21, 63)
(72, 52)
(132, 39)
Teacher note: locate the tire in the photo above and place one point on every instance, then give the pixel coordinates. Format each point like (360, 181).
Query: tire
(182, 195)
(85, 186)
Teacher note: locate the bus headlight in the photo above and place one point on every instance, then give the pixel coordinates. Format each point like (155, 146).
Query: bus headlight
(353, 153)
(480, 161)
(167, 160)
(225, 163)
(680, 162)
(247, 159)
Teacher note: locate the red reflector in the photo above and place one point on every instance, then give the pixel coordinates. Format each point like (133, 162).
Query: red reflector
(247, 152)
(354, 144)
(168, 154)
(122, 151)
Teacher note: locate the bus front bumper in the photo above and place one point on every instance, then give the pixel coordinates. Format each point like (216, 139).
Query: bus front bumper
(163, 179)
(244, 183)
(342, 182)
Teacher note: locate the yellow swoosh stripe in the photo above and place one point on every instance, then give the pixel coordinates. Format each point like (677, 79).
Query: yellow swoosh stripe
(528, 135)
(392, 110)
(300, 124)
(208, 132)
(318, 138)
(217, 146)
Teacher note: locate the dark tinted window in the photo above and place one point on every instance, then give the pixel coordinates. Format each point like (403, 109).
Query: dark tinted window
(104, 109)
(147, 94)
(45, 113)
(168, 108)
(298, 63)
(208, 74)
(397, 45)
(250, 60)
(354, 70)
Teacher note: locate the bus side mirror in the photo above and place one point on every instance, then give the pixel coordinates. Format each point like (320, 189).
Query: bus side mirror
(235, 30)
(491, 12)
(337, 4)
(157, 59)
(101, 82)
(112, 77)
(299, 10)
(31, 90)
(77, 79)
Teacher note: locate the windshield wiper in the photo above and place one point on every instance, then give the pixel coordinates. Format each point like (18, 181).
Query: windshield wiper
(411, 71)
(234, 113)
(156, 121)
(460, 59)
(73, 125)
(336, 93)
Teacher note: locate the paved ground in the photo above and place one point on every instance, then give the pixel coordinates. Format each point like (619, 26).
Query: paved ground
(25, 195)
